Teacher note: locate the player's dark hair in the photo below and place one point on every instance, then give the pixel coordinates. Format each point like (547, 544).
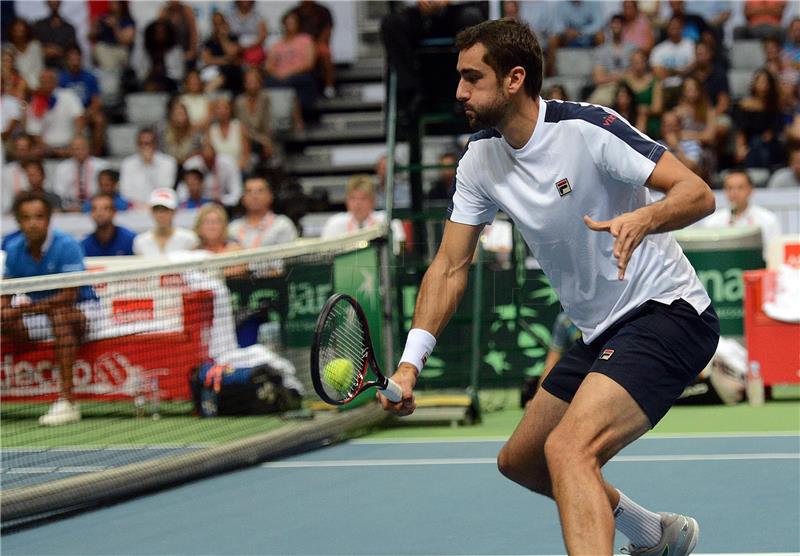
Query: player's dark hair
(508, 44)
(25, 197)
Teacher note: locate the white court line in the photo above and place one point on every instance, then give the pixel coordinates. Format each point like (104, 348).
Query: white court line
(649, 436)
(493, 461)
(66, 469)
(700, 554)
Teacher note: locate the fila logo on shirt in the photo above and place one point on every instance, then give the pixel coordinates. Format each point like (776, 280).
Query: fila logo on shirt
(606, 355)
(563, 187)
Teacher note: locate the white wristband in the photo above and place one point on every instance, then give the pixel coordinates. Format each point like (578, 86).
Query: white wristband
(419, 346)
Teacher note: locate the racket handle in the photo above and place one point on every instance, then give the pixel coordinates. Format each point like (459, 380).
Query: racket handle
(393, 392)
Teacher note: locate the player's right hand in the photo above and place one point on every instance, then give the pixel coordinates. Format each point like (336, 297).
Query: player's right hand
(406, 377)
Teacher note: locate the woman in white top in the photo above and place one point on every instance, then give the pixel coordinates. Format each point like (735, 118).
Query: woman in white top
(227, 134)
(164, 238)
(196, 101)
(29, 56)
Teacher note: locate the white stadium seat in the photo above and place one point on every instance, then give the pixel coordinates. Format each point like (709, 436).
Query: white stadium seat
(146, 108)
(747, 54)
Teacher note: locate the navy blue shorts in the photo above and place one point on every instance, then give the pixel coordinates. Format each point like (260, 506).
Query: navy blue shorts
(653, 352)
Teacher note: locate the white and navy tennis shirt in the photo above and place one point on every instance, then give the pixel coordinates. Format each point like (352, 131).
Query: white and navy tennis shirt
(580, 159)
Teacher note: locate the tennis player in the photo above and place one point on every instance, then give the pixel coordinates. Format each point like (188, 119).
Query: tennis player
(575, 180)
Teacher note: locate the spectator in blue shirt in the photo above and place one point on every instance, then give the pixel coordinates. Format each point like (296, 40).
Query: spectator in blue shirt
(107, 182)
(107, 240)
(194, 180)
(37, 251)
(84, 84)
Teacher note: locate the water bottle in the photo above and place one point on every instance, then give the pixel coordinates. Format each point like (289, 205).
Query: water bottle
(155, 398)
(755, 384)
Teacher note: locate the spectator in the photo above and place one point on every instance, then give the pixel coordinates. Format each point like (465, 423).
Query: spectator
(260, 227)
(625, 105)
(637, 29)
(38, 183)
(181, 17)
(222, 57)
(252, 108)
(58, 314)
(165, 56)
(84, 84)
(250, 30)
(147, 170)
(75, 179)
(227, 134)
(790, 175)
(291, 62)
(55, 34)
(360, 203)
(778, 62)
(611, 61)
(648, 91)
(695, 27)
(716, 14)
(555, 92)
(107, 182)
(402, 189)
(211, 228)
(113, 34)
(672, 58)
(316, 20)
(759, 122)
(164, 238)
(223, 180)
(12, 83)
(442, 188)
(688, 151)
(196, 101)
(792, 45)
(15, 178)
(108, 239)
(28, 52)
(193, 180)
(698, 119)
(714, 80)
(763, 20)
(578, 24)
(54, 117)
(739, 212)
(180, 139)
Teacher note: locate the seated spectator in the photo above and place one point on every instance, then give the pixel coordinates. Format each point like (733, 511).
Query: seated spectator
(648, 90)
(211, 228)
(222, 57)
(260, 227)
(360, 203)
(54, 117)
(637, 29)
(698, 120)
(291, 62)
(402, 189)
(113, 34)
(58, 314)
(165, 56)
(180, 139)
(196, 101)
(164, 238)
(56, 35)
(688, 151)
(15, 178)
(107, 184)
(739, 212)
(695, 27)
(181, 17)
(625, 105)
(791, 47)
(13, 85)
(84, 84)
(250, 29)
(789, 176)
(577, 24)
(442, 188)
(611, 61)
(75, 179)
(778, 62)
(107, 240)
(673, 57)
(252, 108)
(193, 180)
(714, 80)
(147, 170)
(316, 20)
(223, 180)
(759, 122)
(764, 19)
(27, 51)
(38, 184)
(555, 92)
(227, 134)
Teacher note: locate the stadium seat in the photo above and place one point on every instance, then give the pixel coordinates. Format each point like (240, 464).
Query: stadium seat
(121, 139)
(146, 108)
(574, 62)
(109, 82)
(747, 54)
(281, 103)
(739, 82)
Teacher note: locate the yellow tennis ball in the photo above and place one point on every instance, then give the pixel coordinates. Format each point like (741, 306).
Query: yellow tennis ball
(338, 374)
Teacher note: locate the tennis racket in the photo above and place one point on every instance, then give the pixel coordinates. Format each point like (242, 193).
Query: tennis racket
(342, 354)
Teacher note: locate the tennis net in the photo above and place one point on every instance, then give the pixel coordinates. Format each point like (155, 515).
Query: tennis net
(185, 368)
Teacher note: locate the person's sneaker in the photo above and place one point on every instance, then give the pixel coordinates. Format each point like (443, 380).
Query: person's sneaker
(61, 412)
(679, 536)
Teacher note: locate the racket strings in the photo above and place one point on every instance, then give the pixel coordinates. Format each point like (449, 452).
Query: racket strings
(343, 338)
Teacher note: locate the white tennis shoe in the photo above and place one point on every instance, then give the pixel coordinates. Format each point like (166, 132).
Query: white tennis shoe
(679, 536)
(62, 412)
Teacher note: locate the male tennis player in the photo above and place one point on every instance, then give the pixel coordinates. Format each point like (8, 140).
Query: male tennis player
(571, 176)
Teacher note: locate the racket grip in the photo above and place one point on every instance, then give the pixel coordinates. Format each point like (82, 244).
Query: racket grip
(393, 392)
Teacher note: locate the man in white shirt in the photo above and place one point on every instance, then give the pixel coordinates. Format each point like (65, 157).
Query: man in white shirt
(164, 238)
(147, 170)
(75, 179)
(672, 58)
(260, 226)
(223, 179)
(739, 212)
(572, 178)
(15, 179)
(54, 116)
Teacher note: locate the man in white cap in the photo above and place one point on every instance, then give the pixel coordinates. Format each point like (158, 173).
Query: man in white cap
(164, 238)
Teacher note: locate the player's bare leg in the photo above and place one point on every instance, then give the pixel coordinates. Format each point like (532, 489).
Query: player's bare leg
(601, 420)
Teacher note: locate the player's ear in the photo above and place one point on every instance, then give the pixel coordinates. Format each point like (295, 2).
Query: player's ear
(516, 79)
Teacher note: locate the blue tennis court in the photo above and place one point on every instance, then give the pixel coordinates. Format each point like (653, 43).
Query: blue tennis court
(428, 497)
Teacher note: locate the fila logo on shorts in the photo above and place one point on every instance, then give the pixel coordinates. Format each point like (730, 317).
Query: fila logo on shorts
(606, 355)
(563, 187)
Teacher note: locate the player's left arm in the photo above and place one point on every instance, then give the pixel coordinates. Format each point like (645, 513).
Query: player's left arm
(687, 199)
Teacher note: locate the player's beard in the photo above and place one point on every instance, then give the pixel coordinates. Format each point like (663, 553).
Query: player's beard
(491, 115)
